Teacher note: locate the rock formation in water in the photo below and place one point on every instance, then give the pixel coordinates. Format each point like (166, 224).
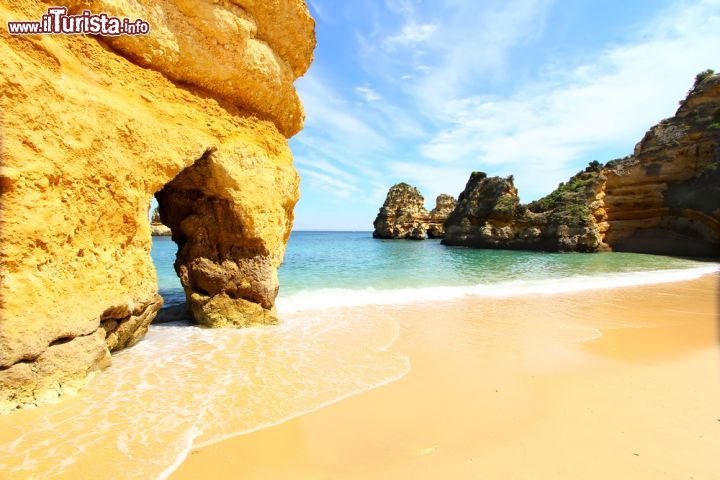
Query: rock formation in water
(400, 215)
(157, 228)
(444, 206)
(160, 230)
(199, 112)
(489, 215)
(664, 199)
(403, 215)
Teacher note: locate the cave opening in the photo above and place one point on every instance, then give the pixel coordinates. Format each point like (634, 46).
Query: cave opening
(210, 270)
(177, 213)
(167, 239)
(163, 253)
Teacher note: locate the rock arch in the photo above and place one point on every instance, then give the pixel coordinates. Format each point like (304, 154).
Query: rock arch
(229, 275)
(81, 159)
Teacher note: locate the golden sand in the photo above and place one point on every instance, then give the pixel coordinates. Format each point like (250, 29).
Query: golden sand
(620, 383)
(616, 383)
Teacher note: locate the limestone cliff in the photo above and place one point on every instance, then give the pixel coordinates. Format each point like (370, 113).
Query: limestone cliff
(199, 113)
(664, 199)
(160, 230)
(403, 215)
(489, 215)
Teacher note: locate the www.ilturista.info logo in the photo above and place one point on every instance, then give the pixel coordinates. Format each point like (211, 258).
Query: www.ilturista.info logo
(57, 21)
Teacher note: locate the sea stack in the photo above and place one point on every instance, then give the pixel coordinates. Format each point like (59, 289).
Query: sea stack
(198, 113)
(403, 215)
(157, 228)
(489, 215)
(444, 206)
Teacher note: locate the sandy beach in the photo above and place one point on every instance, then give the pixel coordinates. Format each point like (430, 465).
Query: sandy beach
(616, 383)
(604, 383)
(391, 239)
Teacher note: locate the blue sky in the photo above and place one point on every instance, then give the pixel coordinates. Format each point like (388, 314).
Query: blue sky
(428, 91)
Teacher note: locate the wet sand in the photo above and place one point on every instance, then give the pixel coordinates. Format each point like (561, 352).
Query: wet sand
(614, 383)
(617, 383)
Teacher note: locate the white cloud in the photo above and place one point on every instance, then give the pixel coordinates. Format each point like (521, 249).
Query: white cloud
(612, 101)
(329, 184)
(411, 34)
(471, 46)
(403, 7)
(368, 94)
(326, 168)
(329, 113)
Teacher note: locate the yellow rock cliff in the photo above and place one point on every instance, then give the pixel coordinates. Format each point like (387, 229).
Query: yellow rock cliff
(199, 110)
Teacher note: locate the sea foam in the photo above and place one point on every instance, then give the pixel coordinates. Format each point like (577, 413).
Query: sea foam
(330, 298)
(183, 387)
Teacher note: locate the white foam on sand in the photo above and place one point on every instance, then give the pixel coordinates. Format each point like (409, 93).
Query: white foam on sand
(183, 387)
(331, 298)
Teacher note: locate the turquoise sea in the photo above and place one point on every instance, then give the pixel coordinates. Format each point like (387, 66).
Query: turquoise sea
(184, 387)
(352, 268)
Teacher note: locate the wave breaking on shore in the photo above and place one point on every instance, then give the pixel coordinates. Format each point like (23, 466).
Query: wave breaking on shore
(184, 387)
(330, 298)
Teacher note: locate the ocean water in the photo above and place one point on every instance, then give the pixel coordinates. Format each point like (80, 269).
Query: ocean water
(184, 387)
(330, 269)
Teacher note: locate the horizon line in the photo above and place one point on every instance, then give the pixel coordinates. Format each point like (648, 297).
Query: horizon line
(330, 230)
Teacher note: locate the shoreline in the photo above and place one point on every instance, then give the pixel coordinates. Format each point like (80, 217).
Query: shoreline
(338, 298)
(648, 338)
(168, 472)
(422, 358)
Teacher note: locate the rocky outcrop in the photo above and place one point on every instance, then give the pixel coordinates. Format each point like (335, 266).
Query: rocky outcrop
(199, 113)
(157, 228)
(663, 199)
(489, 215)
(403, 215)
(160, 230)
(229, 275)
(444, 206)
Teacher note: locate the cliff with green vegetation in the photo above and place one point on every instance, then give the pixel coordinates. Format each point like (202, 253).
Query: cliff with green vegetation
(664, 199)
(489, 215)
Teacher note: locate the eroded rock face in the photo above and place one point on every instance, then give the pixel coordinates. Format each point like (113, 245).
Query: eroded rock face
(665, 198)
(245, 52)
(229, 276)
(444, 206)
(157, 228)
(199, 111)
(403, 215)
(489, 215)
